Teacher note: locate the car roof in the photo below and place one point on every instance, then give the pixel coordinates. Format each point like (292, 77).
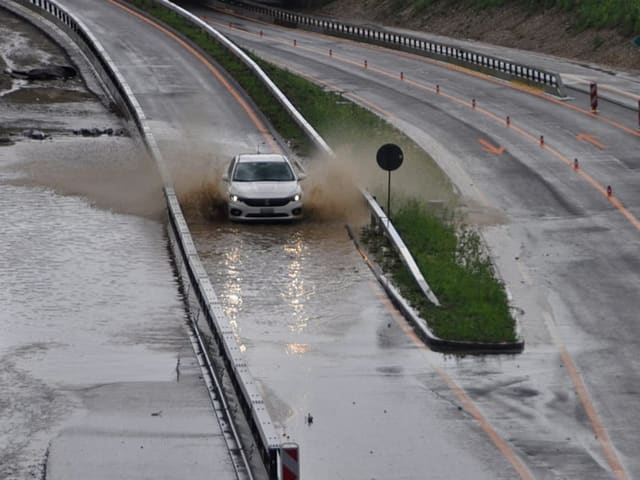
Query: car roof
(261, 157)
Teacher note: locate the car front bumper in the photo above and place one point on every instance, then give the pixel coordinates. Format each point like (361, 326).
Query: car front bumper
(240, 211)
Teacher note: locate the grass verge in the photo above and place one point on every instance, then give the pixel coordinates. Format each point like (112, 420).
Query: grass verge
(474, 304)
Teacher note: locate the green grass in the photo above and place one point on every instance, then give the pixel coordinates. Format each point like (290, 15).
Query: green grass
(256, 90)
(620, 15)
(474, 304)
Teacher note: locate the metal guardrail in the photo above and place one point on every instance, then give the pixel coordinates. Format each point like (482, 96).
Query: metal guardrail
(406, 257)
(495, 65)
(253, 66)
(249, 397)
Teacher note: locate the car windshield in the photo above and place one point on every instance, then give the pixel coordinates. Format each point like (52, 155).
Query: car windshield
(263, 172)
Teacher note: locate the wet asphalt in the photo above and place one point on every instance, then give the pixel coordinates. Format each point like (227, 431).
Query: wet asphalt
(318, 332)
(98, 378)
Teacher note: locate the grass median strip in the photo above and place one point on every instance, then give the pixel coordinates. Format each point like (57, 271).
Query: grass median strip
(474, 303)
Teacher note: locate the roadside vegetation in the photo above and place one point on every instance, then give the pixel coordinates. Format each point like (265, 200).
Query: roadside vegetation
(621, 15)
(474, 304)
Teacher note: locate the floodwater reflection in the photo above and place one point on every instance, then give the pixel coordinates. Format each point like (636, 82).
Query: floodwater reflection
(281, 280)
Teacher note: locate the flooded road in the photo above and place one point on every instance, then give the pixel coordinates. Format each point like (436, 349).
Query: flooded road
(323, 340)
(97, 375)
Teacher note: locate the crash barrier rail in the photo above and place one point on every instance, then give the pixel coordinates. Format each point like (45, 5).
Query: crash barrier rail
(382, 220)
(249, 397)
(494, 65)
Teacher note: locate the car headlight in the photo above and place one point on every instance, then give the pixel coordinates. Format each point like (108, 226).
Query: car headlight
(297, 197)
(233, 198)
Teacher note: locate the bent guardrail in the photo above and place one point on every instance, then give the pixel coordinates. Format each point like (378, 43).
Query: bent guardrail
(249, 397)
(463, 56)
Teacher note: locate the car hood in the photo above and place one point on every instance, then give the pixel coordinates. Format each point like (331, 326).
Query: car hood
(264, 189)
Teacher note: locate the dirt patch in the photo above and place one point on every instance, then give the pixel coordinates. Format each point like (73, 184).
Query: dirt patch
(514, 26)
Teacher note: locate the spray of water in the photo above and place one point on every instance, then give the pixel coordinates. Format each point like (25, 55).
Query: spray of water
(330, 192)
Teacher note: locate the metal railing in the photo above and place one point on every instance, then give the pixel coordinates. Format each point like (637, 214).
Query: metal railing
(463, 56)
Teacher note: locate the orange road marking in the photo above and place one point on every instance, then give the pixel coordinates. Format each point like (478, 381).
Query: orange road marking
(504, 448)
(463, 398)
(596, 424)
(264, 131)
(469, 406)
(490, 148)
(591, 139)
(514, 84)
(583, 395)
(464, 102)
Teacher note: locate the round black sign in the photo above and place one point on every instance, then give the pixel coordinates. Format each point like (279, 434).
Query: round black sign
(389, 157)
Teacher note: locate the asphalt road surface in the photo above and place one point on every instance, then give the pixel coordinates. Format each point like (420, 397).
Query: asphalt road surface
(318, 333)
(567, 251)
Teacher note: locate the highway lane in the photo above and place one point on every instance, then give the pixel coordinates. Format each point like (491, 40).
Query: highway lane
(319, 335)
(567, 253)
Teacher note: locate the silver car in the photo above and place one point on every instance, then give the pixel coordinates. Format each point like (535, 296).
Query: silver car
(263, 186)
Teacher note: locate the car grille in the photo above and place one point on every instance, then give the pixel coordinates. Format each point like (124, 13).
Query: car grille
(266, 202)
(265, 215)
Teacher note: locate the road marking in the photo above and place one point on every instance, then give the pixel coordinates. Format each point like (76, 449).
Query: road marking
(498, 441)
(463, 398)
(490, 148)
(465, 103)
(261, 127)
(513, 84)
(591, 139)
(504, 448)
(583, 395)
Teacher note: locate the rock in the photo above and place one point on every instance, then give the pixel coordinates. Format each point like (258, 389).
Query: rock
(48, 72)
(96, 132)
(35, 134)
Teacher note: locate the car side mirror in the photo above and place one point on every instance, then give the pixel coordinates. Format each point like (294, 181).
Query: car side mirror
(225, 177)
(302, 176)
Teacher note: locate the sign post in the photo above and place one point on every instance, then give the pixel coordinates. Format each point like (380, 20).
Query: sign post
(593, 93)
(389, 158)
